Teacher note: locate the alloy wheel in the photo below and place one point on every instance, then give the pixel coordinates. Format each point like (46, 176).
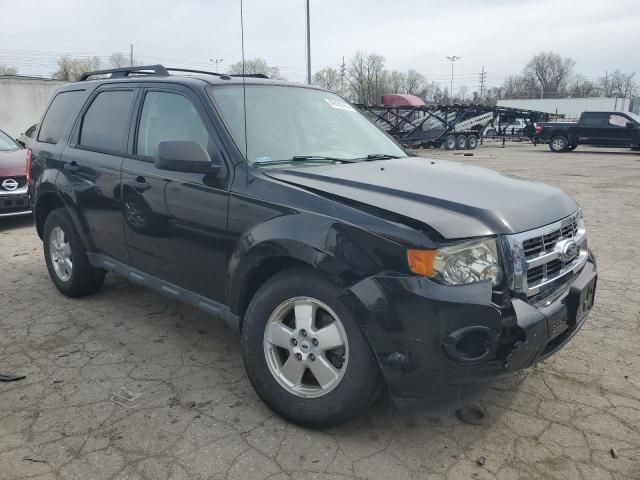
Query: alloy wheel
(306, 348)
(60, 253)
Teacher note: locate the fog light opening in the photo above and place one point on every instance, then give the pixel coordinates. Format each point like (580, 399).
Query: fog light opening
(471, 345)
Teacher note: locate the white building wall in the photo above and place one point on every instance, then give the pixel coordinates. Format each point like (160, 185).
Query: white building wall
(570, 107)
(23, 100)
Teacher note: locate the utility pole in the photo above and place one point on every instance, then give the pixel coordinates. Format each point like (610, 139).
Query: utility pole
(483, 78)
(308, 45)
(343, 71)
(453, 60)
(131, 56)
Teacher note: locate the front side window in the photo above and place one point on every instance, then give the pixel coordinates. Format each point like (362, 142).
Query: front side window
(283, 122)
(62, 111)
(169, 116)
(106, 122)
(618, 121)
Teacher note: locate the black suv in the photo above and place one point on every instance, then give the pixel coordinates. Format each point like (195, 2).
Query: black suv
(346, 264)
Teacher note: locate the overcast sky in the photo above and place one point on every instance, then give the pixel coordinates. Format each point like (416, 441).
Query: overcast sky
(500, 34)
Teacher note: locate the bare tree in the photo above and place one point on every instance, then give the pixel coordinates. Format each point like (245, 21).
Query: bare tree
(255, 66)
(624, 84)
(582, 87)
(5, 70)
(328, 78)
(119, 60)
(71, 68)
(551, 71)
(520, 86)
(367, 78)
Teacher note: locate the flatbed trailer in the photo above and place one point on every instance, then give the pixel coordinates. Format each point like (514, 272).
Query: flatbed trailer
(458, 126)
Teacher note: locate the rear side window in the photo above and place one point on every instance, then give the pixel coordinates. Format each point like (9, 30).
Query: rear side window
(106, 122)
(593, 120)
(60, 114)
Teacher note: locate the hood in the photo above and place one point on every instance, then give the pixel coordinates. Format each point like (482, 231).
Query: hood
(13, 163)
(457, 200)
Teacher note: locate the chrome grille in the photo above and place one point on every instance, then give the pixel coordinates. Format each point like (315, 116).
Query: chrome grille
(543, 259)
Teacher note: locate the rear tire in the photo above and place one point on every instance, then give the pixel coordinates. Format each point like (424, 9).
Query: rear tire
(559, 144)
(66, 257)
(461, 142)
(450, 142)
(472, 142)
(279, 353)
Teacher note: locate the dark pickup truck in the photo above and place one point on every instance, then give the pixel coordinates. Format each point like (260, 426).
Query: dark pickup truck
(602, 129)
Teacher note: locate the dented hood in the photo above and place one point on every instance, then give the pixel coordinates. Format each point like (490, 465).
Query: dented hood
(457, 200)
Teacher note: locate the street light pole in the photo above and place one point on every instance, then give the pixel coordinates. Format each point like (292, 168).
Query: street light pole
(452, 59)
(216, 61)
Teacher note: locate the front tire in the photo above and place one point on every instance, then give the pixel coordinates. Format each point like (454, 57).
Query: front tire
(559, 144)
(66, 257)
(304, 353)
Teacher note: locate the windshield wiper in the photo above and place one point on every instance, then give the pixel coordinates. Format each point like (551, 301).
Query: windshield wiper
(305, 158)
(302, 158)
(379, 156)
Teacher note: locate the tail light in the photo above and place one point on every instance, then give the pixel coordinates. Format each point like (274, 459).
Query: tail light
(539, 128)
(29, 159)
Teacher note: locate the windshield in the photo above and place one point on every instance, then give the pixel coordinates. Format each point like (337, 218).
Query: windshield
(634, 116)
(7, 143)
(284, 122)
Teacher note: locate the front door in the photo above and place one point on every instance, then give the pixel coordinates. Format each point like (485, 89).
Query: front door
(176, 222)
(91, 168)
(619, 133)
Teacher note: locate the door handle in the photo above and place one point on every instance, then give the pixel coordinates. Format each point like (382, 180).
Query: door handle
(138, 184)
(72, 167)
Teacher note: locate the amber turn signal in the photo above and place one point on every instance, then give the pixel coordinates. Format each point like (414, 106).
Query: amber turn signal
(421, 261)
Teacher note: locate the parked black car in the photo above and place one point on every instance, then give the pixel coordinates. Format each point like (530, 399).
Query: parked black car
(601, 129)
(346, 264)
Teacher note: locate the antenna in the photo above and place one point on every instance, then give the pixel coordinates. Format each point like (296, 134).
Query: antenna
(244, 86)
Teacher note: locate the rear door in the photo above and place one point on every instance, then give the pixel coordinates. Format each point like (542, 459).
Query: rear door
(593, 128)
(92, 163)
(176, 222)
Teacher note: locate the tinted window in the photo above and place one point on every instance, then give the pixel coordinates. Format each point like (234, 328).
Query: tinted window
(169, 116)
(593, 120)
(60, 114)
(106, 122)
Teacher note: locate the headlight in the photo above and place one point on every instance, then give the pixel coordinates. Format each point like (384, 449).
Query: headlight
(467, 262)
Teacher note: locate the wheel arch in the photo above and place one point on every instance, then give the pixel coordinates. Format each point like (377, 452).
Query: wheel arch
(46, 203)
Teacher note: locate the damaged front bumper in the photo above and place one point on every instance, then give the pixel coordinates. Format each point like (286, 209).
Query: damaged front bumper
(444, 344)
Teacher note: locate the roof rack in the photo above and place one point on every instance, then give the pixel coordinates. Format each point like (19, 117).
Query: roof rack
(155, 70)
(126, 71)
(188, 70)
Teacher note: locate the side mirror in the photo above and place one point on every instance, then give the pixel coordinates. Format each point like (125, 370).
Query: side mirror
(185, 156)
(631, 125)
(21, 143)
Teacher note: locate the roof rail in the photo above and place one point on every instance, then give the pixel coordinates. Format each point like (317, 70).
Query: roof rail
(126, 71)
(156, 70)
(188, 70)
